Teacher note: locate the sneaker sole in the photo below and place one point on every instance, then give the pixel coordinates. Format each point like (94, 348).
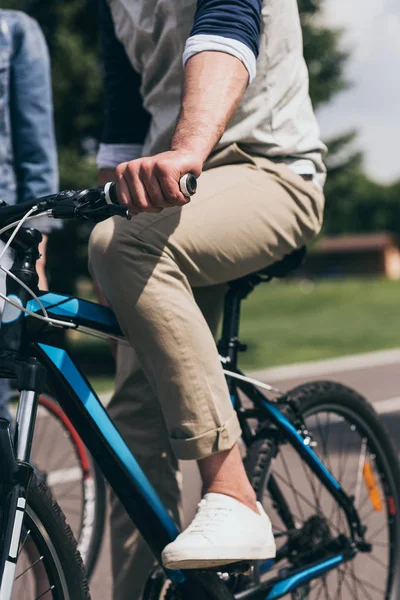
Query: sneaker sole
(178, 562)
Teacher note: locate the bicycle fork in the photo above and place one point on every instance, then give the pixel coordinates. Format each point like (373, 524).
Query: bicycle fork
(15, 475)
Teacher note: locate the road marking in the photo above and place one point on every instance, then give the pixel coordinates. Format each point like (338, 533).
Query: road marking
(64, 476)
(390, 405)
(332, 365)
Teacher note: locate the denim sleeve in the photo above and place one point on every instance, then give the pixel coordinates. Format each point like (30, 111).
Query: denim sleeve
(35, 154)
(125, 119)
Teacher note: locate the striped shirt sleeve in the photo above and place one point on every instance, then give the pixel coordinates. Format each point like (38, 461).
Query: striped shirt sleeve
(232, 26)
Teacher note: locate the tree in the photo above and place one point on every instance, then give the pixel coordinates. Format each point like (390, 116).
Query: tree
(354, 203)
(324, 57)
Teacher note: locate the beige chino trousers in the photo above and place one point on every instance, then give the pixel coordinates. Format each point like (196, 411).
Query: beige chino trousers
(164, 276)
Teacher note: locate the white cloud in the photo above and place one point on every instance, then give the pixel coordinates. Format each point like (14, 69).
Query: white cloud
(373, 103)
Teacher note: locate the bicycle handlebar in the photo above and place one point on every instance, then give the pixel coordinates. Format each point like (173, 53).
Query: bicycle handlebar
(95, 204)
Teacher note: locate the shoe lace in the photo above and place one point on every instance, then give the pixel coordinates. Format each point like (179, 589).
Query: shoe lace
(207, 518)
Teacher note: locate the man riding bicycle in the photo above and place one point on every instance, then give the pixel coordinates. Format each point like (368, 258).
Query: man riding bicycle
(218, 89)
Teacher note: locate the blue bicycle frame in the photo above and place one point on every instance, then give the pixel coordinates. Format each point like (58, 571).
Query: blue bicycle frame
(122, 471)
(27, 353)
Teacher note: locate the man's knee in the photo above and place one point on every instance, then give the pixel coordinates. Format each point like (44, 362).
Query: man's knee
(101, 245)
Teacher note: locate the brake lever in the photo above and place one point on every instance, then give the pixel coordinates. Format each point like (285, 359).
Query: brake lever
(103, 212)
(88, 204)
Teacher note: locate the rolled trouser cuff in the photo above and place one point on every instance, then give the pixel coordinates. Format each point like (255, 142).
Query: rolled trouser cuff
(213, 441)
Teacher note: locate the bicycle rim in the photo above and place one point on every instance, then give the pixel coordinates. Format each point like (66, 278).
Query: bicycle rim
(39, 574)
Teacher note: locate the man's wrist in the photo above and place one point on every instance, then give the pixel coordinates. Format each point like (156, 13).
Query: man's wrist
(187, 142)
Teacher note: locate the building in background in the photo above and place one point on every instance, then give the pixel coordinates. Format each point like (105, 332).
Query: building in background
(355, 255)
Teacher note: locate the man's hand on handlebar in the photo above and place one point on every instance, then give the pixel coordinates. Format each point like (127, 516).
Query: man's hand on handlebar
(151, 184)
(174, 181)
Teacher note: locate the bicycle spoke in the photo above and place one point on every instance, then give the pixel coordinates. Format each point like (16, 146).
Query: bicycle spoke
(381, 544)
(364, 583)
(327, 457)
(360, 470)
(340, 577)
(365, 516)
(377, 561)
(355, 596)
(351, 568)
(321, 589)
(29, 568)
(363, 503)
(326, 588)
(291, 485)
(344, 456)
(372, 535)
(24, 542)
(44, 593)
(305, 500)
(311, 484)
(324, 447)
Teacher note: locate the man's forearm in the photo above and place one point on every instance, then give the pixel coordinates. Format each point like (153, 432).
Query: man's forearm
(213, 87)
(214, 84)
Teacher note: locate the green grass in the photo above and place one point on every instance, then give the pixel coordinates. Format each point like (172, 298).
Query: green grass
(285, 322)
(288, 322)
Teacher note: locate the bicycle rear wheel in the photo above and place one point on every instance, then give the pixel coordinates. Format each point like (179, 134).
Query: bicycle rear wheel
(348, 436)
(64, 464)
(48, 564)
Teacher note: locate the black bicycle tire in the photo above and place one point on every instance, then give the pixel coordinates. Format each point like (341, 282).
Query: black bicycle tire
(100, 503)
(51, 518)
(310, 395)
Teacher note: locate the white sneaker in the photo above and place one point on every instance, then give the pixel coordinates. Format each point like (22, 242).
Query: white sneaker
(223, 531)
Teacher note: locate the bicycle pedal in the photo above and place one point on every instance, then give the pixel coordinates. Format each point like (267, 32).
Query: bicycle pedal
(240, 567)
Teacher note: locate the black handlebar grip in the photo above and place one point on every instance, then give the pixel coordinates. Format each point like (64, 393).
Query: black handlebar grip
(188, 184)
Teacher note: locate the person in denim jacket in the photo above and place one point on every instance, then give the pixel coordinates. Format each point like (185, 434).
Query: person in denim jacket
(28, 157)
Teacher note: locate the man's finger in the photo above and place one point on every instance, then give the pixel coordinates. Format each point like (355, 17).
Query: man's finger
(135, 186)
(155, 193)
(170, 187)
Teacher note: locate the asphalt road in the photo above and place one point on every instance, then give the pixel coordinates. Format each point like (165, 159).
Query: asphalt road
(377, 376)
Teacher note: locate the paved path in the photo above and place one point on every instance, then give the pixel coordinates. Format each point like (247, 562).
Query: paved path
(376, 375)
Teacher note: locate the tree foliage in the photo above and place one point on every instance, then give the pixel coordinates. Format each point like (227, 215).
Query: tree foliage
(323, 53)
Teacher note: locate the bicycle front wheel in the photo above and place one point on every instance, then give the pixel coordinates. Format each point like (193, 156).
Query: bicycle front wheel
(62, 461)
(48, 564)
(352, 442)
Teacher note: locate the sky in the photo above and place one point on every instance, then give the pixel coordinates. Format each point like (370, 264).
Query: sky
(372, 105)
